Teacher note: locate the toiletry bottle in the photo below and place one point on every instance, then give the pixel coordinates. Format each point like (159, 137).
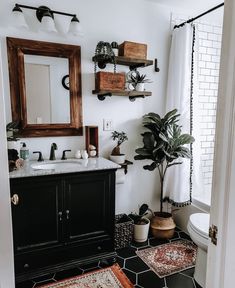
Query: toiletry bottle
(84, 154)
(78, 154)
(24, 152)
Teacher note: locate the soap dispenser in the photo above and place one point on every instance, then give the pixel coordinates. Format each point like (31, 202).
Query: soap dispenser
(24, 152)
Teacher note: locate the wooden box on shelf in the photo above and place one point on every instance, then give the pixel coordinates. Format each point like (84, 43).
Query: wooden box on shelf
(92, 139)
(109, 81)
(133, 50)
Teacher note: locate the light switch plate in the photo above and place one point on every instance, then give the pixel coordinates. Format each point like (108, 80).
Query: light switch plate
(107, 124)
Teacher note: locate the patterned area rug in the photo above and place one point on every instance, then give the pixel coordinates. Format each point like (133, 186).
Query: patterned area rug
(111, 277)
(170, 258)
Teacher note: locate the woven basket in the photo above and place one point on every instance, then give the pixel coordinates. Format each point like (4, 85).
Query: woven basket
(123, 231)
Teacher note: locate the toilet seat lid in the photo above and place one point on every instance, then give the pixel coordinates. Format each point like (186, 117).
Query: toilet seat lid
(200, 223)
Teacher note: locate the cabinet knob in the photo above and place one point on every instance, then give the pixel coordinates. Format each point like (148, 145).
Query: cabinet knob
(26, 266)
(67, 214)
(60, 216)
(99, 248)
(15, 199)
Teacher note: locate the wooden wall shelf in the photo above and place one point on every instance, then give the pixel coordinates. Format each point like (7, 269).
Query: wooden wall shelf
(102, 94)
(125, 165)
(131, 62)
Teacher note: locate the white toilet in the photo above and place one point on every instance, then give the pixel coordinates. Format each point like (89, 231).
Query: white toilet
(198, 228)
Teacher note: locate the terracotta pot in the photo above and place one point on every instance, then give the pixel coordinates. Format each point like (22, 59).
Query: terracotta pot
(162, 225)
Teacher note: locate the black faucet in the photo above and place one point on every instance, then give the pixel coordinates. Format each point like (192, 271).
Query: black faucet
(40, 158)
(52, 152)
(63, 155)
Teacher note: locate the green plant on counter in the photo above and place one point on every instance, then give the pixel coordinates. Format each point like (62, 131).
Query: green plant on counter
(120, 137)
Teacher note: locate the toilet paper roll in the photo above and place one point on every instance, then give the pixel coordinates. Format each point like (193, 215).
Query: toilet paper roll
(120, 176)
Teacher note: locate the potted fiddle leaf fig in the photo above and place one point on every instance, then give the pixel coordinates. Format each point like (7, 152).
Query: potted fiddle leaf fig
(164, 146)
(116, 155)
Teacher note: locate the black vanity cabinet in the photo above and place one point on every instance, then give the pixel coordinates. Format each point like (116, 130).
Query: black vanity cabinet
(62, 220)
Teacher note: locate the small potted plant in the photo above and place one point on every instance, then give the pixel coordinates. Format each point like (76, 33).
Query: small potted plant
(138, 81)
(116, 156)
(164, 145)
(12, 129)
(141, 223)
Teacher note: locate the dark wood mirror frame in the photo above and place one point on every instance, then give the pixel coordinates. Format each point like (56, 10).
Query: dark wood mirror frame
(17, 48)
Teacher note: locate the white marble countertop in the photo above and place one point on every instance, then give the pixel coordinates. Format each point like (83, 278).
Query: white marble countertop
(83, 165)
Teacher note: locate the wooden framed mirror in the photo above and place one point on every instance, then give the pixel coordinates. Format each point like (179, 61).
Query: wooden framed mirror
(39, 100)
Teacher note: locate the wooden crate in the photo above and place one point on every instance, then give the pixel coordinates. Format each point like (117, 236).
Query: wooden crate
(133, 50)
(110, 81)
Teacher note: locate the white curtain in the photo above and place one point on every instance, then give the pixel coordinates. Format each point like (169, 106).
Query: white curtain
(177, 182)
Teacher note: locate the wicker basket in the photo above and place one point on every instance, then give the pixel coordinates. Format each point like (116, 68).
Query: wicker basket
(123, 231)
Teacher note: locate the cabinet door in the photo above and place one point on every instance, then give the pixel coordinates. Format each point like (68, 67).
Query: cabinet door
(89, 206)
(36, 218)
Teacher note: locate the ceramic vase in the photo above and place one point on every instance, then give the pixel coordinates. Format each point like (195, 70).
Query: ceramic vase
(141, 230)
(139, 87)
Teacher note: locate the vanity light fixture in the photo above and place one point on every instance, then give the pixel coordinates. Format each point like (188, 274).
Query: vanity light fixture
(46, 16)
(19, 17)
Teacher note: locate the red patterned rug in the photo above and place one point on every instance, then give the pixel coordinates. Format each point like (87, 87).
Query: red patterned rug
(111, 277)
(170, 258)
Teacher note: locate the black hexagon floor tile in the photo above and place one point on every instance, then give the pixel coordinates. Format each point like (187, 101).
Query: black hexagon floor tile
(149, 280)
(120, 261)
(184, 236)
(134, 268)
(156, 242)
(176, 235)
(140, 244)
(188, 272)
(126, 252)
(136, 265)
(197, 285)
(131, 275)
(179, 281)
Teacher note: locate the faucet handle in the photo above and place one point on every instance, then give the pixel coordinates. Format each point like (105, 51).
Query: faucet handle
(40, 158)
(63, 155)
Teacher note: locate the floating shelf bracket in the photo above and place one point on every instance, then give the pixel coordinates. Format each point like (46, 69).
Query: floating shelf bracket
(125, 165)
(102, 97)
(132, 98)
(156, 68)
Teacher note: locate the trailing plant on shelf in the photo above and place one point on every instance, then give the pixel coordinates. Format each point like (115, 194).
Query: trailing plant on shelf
(104, 54)
(164, 144)
(120, 137)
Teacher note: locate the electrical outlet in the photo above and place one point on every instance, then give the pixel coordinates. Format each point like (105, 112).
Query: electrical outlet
(107, 124)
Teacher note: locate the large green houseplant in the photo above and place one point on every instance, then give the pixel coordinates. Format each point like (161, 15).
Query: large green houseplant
(164, 145)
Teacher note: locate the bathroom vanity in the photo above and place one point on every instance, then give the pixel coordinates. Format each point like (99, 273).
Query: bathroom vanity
(63, 215)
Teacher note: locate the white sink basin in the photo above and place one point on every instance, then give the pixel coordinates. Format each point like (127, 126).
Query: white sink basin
(65, 165)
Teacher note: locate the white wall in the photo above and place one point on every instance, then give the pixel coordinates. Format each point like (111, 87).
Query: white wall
(106, 20)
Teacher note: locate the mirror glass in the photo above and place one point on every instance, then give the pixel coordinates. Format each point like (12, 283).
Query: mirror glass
(45, 86)
(47, 101)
